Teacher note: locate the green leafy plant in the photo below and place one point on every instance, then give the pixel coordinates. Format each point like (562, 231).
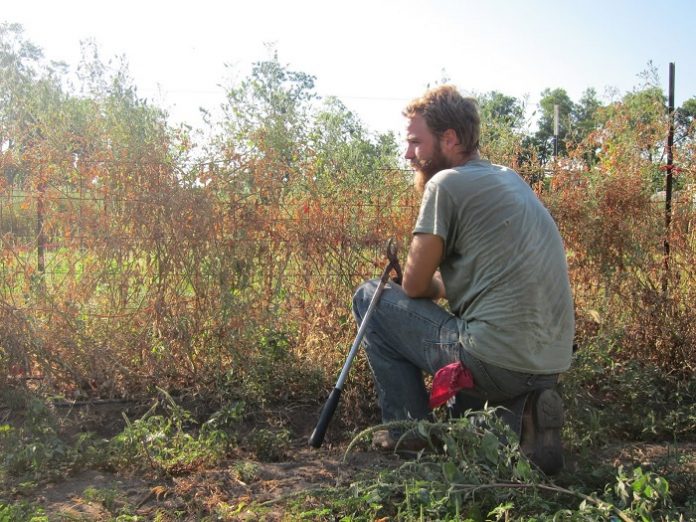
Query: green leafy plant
(611, 400)
(21, 512)
(35, 448)
(104, 496)
(474, 467)
(269, 445)
(246, 471)
(164, 443)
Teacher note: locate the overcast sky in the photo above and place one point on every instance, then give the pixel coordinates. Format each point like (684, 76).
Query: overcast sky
(374, 55)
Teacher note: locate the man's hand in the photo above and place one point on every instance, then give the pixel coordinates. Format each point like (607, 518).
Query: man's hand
(421, 278)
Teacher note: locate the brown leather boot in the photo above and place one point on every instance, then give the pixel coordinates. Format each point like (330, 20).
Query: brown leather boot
(541, 430)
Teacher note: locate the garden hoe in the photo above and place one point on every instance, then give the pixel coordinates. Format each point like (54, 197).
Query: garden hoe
(329, 408)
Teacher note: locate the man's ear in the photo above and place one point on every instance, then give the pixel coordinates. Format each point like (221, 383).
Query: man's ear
(450, 140)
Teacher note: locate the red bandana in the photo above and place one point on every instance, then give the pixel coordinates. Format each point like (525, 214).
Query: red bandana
(448, 381)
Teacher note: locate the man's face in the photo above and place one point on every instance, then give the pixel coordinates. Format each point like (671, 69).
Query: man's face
(423, 150)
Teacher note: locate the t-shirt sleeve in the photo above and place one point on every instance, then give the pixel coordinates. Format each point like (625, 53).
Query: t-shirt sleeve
(435, 213)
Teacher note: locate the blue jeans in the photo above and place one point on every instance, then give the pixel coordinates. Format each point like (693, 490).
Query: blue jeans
(406, 337)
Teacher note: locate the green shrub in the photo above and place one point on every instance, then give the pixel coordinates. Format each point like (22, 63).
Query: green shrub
(480, 475)
(609, 399)
(21, 512)
(268, 445)
(164, 443)
(34, 447)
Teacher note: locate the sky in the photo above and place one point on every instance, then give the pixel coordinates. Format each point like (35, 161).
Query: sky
(375, 55)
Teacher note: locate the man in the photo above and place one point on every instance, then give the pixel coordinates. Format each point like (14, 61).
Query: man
(484, 242)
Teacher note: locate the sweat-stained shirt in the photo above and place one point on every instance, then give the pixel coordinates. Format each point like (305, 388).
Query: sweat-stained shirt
(504, 267)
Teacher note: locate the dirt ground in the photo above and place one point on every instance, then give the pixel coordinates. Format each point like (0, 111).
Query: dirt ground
(305, 470)
(243, 480)
(268, 483)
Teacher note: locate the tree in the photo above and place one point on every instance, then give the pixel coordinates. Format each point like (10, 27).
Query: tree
(586, 121)
(646, 112)
(685, 120)
(501, 108)
(26, 91)
(344, 153)
(266, 116)
(575, 122)
(502, 119)
(585, 115)
(685, 130)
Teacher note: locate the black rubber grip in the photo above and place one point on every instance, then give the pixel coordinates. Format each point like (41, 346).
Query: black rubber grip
(327, 412)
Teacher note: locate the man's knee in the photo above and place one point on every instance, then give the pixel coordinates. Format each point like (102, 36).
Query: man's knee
(362, 297)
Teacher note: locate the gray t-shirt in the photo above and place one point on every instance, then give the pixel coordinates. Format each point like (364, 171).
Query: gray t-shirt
(504, 267)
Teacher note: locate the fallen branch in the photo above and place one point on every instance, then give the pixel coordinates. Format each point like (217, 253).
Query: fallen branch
(553, 488)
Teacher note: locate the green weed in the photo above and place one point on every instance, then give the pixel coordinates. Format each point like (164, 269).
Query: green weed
(268, 445)
(111, 500)
(104, 496)
(164, 441)
(35, 449)
(245, 471)
(608, 400)
(21, 512)
(270, 372)
(479, 474)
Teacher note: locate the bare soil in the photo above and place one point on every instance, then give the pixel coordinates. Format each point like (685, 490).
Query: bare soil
(268, 483)
(243, 482)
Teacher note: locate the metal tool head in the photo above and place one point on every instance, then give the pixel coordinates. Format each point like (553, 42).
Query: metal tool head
(393, 260)
(391, 249)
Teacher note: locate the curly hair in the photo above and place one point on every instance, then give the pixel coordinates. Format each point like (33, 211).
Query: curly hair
(444, 108)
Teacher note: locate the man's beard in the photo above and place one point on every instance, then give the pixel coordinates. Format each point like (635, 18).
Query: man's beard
(428, 168)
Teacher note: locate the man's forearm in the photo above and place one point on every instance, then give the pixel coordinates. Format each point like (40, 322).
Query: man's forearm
(435, 290)
(437, 287)
(421, 276)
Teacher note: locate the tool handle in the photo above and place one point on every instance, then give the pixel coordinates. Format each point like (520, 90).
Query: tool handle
(327, 412)
(329, 408)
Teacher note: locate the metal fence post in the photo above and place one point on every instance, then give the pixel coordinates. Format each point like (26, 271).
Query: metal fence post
(668, 180)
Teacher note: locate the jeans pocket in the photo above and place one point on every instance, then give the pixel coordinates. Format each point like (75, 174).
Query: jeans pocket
(439, 353)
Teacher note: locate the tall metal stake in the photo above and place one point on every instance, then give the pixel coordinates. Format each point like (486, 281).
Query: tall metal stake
(668, 182)
(555, 130)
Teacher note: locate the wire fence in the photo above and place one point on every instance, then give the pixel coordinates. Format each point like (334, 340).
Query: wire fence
(112, 286)
(120, 284)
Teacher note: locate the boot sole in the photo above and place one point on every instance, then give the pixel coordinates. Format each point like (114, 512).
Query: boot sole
(548, 420)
